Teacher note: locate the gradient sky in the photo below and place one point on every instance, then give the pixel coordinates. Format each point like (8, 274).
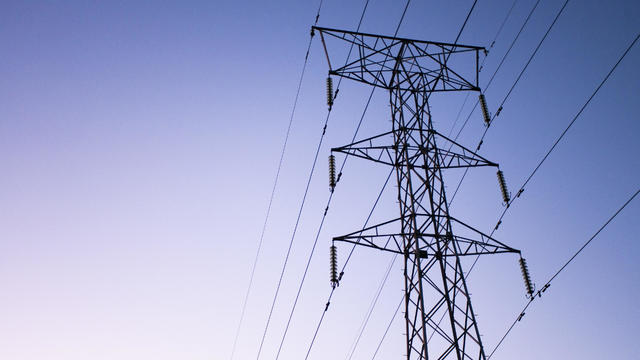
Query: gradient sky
(139, 142)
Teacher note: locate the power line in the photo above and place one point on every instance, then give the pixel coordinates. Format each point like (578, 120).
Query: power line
(548, 283)
(296, 227)
(504, 57)
(564, 132)
(504, 100)
(330, 197)
(372, 307)
(320, 321)
(513, 5)
(529, 61)
(273, 190)
(464, 24)
(395, 313)
(304, 276)
(522, 187)
(466, 98)
(561, 135)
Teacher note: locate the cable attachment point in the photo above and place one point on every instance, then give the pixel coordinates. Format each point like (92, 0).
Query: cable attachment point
(332, 172)
(544, 288)
(485, 109)
(527, 278)
(506, 197)
(329, 92)
(333, 266)
(497, 225)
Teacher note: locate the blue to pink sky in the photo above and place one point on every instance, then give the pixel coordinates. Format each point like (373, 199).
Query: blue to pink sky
(139, 142)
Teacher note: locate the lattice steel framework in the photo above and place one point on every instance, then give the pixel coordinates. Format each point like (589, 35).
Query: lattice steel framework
(435, 285)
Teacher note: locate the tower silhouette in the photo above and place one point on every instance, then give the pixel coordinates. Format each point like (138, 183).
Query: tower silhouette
(431, 241)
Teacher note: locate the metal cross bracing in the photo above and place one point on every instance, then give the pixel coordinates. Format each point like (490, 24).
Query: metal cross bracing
(435, 285)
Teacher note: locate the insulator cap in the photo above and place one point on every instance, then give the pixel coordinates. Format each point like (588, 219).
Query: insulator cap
(485, 110)
(506, 197)
(329, 92)
(526, 277)
(333, 266)
(332, 172)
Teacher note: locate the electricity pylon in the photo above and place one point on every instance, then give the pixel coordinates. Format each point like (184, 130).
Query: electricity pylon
(435, 285)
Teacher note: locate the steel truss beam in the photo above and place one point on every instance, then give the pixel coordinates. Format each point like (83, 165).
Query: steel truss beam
(417, 65)
(382, 237)
(457, 156)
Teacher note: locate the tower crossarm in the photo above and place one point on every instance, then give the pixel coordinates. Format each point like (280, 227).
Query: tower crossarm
(417, 65)
(385, 237)
(376, 149)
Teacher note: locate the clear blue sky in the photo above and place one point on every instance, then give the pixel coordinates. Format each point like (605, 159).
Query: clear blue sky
(139, 142)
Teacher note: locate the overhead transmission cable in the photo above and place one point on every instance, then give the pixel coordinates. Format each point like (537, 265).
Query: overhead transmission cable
(504, 57)
(273, 190)
(536, 169)
(503, 102)
(304, 276)
(494, 74)
(464, 24)
(564, 266)
(371, 307)
(515, 83)
(395, 313)
(564, 132)
(466, 98)
(328, 303)
(404, 12)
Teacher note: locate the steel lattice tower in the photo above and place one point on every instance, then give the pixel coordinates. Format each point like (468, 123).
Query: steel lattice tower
(435, 285)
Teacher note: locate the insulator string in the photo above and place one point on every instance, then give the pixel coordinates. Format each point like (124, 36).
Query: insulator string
(526, 277)
(329, 92)
(503, 187)
(333, 266)
(332, 172)
(485, 109)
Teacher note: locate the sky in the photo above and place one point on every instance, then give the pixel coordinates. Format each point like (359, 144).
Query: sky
(139, 143)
